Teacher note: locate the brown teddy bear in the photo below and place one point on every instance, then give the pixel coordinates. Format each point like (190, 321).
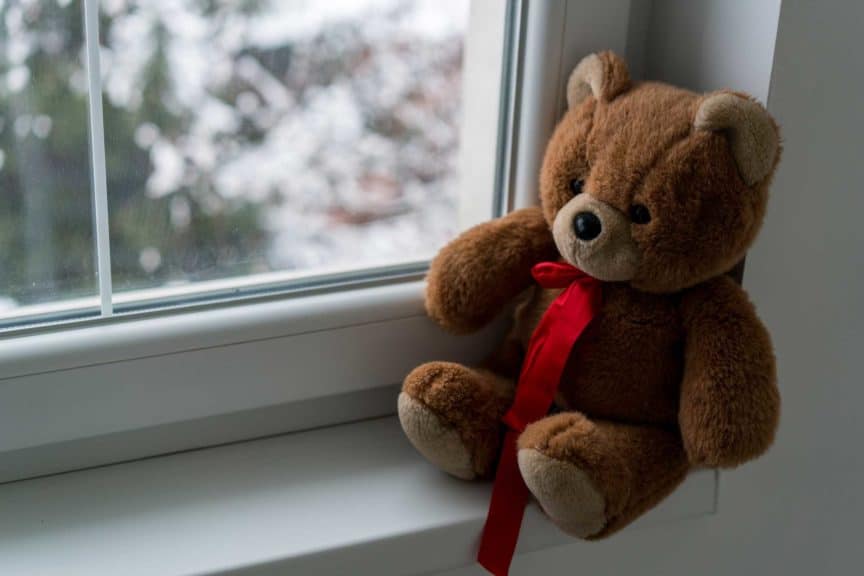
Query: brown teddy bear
(657, 192)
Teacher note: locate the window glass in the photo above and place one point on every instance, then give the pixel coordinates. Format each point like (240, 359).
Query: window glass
(256, 136)
(46, 232)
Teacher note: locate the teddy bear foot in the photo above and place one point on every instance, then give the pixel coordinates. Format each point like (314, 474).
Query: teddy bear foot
(565, 493)
(437, 442)
(452, 415)
(593, 477)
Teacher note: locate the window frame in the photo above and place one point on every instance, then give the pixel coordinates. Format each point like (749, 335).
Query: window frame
(106, 302)
(111, 382)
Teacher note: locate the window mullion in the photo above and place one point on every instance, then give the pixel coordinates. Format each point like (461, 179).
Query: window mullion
(97, 150)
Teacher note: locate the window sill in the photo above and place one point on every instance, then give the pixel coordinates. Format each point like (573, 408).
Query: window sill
(133, 388)
(353, 498)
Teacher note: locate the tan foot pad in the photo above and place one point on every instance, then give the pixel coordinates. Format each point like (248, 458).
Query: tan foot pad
(439, 443)
(564, 492)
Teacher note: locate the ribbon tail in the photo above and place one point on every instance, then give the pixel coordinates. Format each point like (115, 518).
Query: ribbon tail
(504, 520)
(546, 357)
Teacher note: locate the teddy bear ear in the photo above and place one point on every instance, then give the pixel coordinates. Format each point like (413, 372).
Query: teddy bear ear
(753, 135)
(603, 75)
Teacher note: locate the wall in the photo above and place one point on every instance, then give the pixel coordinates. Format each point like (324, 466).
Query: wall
(712, 44)
(798, 509)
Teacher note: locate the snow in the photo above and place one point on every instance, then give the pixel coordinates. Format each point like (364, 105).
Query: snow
(343, 192)
(336, 120)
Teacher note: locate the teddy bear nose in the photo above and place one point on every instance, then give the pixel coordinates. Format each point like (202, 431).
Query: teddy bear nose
(587, 226)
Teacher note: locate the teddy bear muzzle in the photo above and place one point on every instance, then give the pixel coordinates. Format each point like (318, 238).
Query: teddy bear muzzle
(595, 237)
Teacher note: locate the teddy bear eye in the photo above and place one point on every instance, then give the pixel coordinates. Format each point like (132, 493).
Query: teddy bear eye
(576, 186)
(639, 214)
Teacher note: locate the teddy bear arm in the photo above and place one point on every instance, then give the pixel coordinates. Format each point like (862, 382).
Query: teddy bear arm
(729, 404)
(478, 273)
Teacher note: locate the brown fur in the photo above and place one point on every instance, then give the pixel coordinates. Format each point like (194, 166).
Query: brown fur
(478, 273)
(633, 466)
(643, 328)
(469, 401)
(676, 370)
(729, 398)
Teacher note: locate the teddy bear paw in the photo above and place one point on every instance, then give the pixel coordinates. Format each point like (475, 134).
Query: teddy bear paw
(566, 493)
(437, 442)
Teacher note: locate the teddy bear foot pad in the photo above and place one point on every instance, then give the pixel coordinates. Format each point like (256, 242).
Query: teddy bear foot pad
(565, 493)
(437, 442)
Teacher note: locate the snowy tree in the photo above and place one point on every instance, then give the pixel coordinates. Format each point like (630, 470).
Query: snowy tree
(241, 137)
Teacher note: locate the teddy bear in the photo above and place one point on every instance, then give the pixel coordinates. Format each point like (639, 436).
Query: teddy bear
(656, 192)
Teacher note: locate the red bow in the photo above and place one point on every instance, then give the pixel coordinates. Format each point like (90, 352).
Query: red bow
(545, 359)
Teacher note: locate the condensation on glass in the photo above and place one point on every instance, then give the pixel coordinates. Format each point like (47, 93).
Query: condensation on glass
(242, 140)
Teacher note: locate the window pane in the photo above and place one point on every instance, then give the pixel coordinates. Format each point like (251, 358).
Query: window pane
(284, 135)
(46, 232)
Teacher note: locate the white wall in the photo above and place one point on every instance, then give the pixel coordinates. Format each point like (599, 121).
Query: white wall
(712, 44)
(798, 509)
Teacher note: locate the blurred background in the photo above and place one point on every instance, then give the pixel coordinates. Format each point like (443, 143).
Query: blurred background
(241, 137)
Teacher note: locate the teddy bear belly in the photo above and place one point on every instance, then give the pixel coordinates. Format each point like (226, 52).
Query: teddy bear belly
(628, 362)
(623, 373)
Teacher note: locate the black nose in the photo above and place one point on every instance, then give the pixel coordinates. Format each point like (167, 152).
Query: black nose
(587, 226)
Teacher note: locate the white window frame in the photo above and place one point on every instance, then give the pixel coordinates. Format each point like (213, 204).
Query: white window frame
(145, 383)
(112, 386)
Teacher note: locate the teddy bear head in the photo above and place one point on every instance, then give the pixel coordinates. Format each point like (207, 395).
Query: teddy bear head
(654, 185)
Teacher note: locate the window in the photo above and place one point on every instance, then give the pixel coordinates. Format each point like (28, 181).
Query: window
(216, 215)
(232, 147)
(46, 224)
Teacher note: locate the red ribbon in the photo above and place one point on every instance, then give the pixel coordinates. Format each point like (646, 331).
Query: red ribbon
(546, 357)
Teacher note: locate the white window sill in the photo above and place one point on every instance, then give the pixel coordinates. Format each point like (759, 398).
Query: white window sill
(352, 499)
(131, 388)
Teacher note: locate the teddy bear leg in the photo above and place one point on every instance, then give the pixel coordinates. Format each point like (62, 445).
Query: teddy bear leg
(452, 413)
(595, 477)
